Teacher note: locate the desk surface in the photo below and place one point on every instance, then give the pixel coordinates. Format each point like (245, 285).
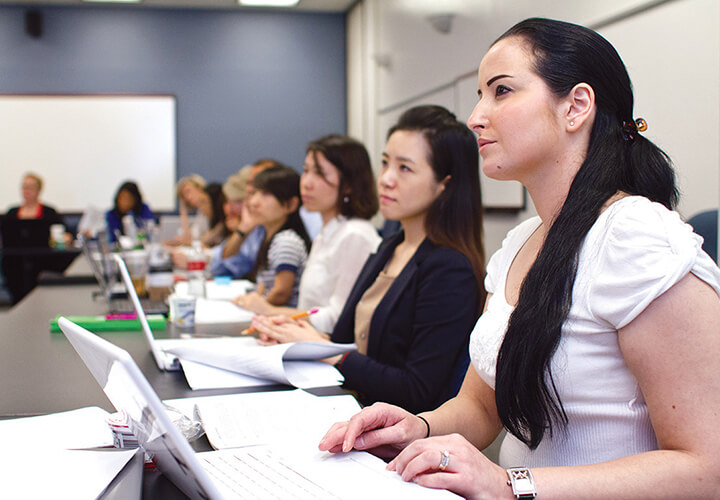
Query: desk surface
(42, 374)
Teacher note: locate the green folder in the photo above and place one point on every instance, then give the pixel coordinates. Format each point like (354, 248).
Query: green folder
(102, 324)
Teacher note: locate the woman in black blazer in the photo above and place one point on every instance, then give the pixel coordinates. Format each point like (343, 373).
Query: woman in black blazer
(416, 300)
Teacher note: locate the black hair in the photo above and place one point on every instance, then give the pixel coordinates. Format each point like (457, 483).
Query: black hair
(131, 188)
(217, 200)
(455, 217)
(284, 184)
(565, 55)
(357, 182)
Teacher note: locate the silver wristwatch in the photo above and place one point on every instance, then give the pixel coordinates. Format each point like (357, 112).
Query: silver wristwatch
(522, 482)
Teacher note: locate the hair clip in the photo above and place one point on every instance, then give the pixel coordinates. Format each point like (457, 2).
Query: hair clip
(631, 127)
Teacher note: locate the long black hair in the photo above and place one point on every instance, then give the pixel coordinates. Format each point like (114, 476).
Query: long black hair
(455, 217)
(131, 188)
(618, 159)
(284, 184)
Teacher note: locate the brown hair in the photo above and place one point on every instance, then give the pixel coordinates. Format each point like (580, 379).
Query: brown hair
(357, 183)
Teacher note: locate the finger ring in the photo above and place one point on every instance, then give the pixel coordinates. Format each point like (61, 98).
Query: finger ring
(444, 460)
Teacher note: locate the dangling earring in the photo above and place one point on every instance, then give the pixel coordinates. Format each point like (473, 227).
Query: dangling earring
(346, 199)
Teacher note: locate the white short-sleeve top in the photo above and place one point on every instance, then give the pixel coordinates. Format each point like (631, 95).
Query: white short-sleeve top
(634, 252)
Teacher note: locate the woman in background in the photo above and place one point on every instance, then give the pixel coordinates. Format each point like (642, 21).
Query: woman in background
(416, 299)
(281, 258)
(31, 207)
(598, 350)
(338, 183)
(196, 194)
(128, 201)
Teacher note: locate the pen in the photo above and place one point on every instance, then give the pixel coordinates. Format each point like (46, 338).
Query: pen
(301, 315)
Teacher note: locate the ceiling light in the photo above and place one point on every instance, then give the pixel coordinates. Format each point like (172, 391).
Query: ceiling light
(269, 3)
(114, 1)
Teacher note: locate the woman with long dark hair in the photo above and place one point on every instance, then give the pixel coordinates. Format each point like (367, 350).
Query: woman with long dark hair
(281, 258)
(128, 201)
(417, 297)
(598, 350)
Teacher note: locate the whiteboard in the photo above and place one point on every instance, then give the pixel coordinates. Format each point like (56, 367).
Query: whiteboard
(85, 146)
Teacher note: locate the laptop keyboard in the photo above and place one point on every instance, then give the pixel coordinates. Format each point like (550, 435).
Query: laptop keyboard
(118, 305)
(258, 474)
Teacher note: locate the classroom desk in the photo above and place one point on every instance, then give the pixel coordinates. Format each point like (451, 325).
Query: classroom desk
(41, 373)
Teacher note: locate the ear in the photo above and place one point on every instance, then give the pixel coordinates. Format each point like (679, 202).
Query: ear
(292, 204)
(444, 183)
(580, 106)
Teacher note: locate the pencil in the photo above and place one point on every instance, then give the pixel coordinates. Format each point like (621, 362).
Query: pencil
(301, 315)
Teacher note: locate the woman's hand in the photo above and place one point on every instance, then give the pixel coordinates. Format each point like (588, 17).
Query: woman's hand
(381, 429)
(254, 302)
(452, 463)
(281, 329)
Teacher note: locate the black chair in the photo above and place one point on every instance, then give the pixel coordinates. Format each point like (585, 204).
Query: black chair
(706, 225)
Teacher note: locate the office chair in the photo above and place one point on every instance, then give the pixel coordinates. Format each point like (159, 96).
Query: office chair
(706, 225)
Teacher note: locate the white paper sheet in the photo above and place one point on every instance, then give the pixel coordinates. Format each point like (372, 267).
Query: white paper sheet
(82, 428)
(200, 376)
(55, 473)
(267, 362)
(219, 289)
(238, 420)
(210, 311)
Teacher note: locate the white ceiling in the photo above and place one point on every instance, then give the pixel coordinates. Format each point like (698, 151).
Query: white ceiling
(304, 5)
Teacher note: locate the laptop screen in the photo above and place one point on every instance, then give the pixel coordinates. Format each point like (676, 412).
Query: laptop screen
(129, 392)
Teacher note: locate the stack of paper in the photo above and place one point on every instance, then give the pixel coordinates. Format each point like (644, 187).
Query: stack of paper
(291, 364)
(239, 420)
(47, 447)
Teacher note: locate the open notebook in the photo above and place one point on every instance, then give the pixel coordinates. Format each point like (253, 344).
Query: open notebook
(275, 471)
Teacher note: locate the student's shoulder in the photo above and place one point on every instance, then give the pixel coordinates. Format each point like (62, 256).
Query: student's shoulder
(287, 237)
(359, 229)
(441, 256)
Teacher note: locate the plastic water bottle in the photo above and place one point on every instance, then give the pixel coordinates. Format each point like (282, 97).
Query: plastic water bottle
(128, 222)
(196, 271)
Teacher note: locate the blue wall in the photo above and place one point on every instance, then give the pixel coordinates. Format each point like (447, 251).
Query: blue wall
(248, 85)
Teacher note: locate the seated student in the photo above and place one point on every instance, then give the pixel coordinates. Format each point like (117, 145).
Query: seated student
(415, 301)
(282, 255)
(21, 271)
(195, 194)
(31, 207)
(128, 201)
(338, 183)
(239, 264)
(218, 230)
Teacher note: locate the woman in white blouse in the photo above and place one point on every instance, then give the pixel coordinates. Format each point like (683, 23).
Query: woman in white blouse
(598, 350)
(338, 183)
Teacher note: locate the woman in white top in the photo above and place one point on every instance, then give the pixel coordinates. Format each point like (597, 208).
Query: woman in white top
(338, 183)
(598, 350)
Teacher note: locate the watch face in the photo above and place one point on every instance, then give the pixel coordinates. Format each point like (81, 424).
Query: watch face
(522, 483)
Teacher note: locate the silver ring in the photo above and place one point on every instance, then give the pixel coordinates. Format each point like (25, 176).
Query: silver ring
(444, 460)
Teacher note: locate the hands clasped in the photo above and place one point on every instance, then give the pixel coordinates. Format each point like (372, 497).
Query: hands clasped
(281, 329)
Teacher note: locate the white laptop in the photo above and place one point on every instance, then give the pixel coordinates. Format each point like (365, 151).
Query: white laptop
(251, 473)
(164, 360)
